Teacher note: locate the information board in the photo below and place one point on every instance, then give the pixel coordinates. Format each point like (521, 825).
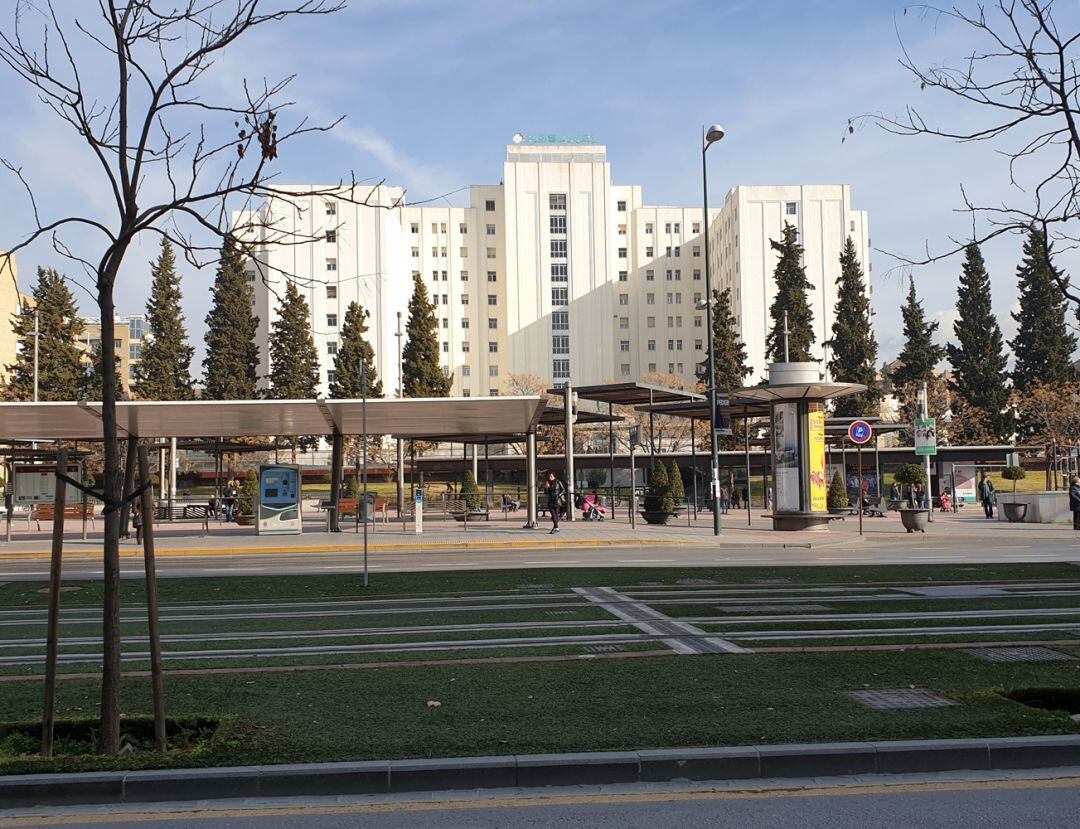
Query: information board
(36, 483)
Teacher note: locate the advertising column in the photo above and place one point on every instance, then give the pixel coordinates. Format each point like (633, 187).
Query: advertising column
(785, 423)
(819, 489)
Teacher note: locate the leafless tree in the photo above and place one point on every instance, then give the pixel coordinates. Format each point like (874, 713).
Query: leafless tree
(176, 157)
(1022, 84)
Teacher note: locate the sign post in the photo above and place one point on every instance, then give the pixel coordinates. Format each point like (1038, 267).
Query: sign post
(859, 433)
(926, 444)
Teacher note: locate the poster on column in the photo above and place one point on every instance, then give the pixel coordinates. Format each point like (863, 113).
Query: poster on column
(785, 423)
(965, 484)
(819, 488)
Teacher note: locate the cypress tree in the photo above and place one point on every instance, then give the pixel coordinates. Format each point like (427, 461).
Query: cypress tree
(920, 354)
(164, 369)
(1043, 346)
(791, 288)
(94, 378)
(423, 376)
(354, 351)
(731, 367)
(232, 356)
(60, 367)
(853, 347)
(977, 357)
(294, 361)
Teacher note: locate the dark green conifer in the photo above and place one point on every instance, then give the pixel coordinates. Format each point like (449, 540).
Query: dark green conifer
(353, 352)
(232, 356)
(163, 371)
(791, 297)
(61, 374)
(423, 374)
(853, 348)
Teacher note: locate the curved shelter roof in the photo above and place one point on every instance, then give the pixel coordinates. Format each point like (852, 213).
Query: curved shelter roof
(798, 391)
(409, 417)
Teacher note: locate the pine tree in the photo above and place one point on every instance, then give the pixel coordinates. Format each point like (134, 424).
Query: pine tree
(423, 375)
(1043, 346)
(920, 355)
(93, 381)
(678, 490)
(355, 351)
(791, 297)
(294, 360)
(853, 346)
(164, 368)
(60, 366)
(730, 353)
(978, 358)
(232, 356)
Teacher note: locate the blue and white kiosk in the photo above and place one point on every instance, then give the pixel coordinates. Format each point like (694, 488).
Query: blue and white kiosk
(279, 500)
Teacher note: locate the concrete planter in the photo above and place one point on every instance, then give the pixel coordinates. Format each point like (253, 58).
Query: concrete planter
(652, 516)
(245, 520)
(1015, 512)
(914, 520)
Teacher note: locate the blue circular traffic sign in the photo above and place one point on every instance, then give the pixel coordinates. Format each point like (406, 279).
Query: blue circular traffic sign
(860, 432)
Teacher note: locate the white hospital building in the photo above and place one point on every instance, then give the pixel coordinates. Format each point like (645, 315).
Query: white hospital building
(556, 272)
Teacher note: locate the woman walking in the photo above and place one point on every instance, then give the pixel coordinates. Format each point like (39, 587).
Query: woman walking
(556, 497)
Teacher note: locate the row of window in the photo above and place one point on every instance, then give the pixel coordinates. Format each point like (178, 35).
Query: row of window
(673, 298)
(493, 322)
(492, 276)
(672, 322)
(436, 228)
(493, 347)
(492, 299)
(673, 368)
(439, 253)
(466, 371)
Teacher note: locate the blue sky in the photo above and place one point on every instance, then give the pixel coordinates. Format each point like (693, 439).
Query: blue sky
(432, 92)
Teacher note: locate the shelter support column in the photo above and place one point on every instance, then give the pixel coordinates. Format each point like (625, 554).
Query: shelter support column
(337, 463)
(129, 484)
(530, 474)
(400, 477)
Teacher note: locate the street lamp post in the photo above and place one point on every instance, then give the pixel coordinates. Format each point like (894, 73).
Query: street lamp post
(400, 445)
(709, 137)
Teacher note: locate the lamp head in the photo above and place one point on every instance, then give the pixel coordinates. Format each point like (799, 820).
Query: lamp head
(714, 134)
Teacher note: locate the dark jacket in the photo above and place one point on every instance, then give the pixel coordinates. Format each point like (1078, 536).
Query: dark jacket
(1074, 498)
(556, 492)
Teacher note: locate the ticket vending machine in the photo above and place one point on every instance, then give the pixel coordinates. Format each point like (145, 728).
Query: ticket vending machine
(279, 500)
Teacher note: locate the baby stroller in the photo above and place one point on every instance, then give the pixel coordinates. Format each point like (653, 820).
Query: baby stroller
(591, 509)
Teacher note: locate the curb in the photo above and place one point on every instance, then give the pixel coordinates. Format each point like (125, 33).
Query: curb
(539, 770)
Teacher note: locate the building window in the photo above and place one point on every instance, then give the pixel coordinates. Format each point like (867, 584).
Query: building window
(416, 253)
(624, 345)
(464, 253)
(434, 276)
(667, 227)
(622, 253)
(444, 276)
(667, 274)
(331, 264)
(491, 230)
(331, 377)
(678, 298)
(489, 205)
(667, 251)
(415, 227)
(623, 276)
(697, 297)
(465, 347)
(434, 251)
(446, 347)
(466, 371)
(622, 230)
(670, 297)
(625, 369)
(652, 366)
(649, 252)
(697, 274)
(559, 296)
(493, 348)
(331, 348)
(650, 322)
(493, 322)
(698, 345)
(791, 208)
(560, 344)
(464, 276)
(463, 229)
(493, 371)
(134, 351)
(676, 227)
(331, 291)
(435, 227)
(697, 250)
(560, 321)
(678, 251)
(697, 322)
(331, 208)
(648, 228)
(624, 299)
(464, 299)
(678, 345)
(650, 299)
(671, 345)
(331, 320)
(557, 201)
(434, 299)
(558, 272)
(493, 299)
(696, 227)
(558, 248)
(671, 368)
(465, 322)
(442, 252)
(331, 236)
(466, 393)
(650, 275)
(560, 369)
(620, 206)
(678, 275)
(492, 276)
(651, 345)
(557, 224)
(624, 322)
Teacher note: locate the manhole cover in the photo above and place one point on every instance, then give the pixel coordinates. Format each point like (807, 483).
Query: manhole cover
(560, 612)
(696, 582)
(1018, 655)
(901, 698)
(772, 608)
(603, 648)
(772, 581)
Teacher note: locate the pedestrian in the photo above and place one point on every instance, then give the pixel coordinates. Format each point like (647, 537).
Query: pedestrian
(894, 491)
(1074, 500)
(768, 499)
(556, 496)
(231, 499)
(987, 496)
(746, 497)
(725, 498)
(734, 497)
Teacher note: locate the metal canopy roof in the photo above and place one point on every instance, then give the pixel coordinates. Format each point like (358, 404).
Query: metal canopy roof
(699, 409)
(630, 394)
(799, 391)
(409, 417)
(556, 416)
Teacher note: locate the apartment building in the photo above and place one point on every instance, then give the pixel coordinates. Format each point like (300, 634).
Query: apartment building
(556, 272)
(130, 333)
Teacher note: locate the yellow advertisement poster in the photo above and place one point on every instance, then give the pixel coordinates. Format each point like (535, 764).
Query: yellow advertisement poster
(819, 488)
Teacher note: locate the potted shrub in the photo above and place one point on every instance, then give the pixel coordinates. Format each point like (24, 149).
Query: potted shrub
(913, 518)
(249, 496)
(472, 503)
(678, 491)
(837, 497)
(1014, 512)
(659, 505)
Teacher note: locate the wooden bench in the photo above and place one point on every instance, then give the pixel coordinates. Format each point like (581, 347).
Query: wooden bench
(349, 506)
(173, 513)
(47, 512)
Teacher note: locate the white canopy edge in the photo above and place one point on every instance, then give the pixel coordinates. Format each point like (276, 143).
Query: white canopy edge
(409, 417)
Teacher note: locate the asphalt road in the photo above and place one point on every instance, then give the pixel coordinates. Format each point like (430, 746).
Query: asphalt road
(932, 550)
(1043, 804)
